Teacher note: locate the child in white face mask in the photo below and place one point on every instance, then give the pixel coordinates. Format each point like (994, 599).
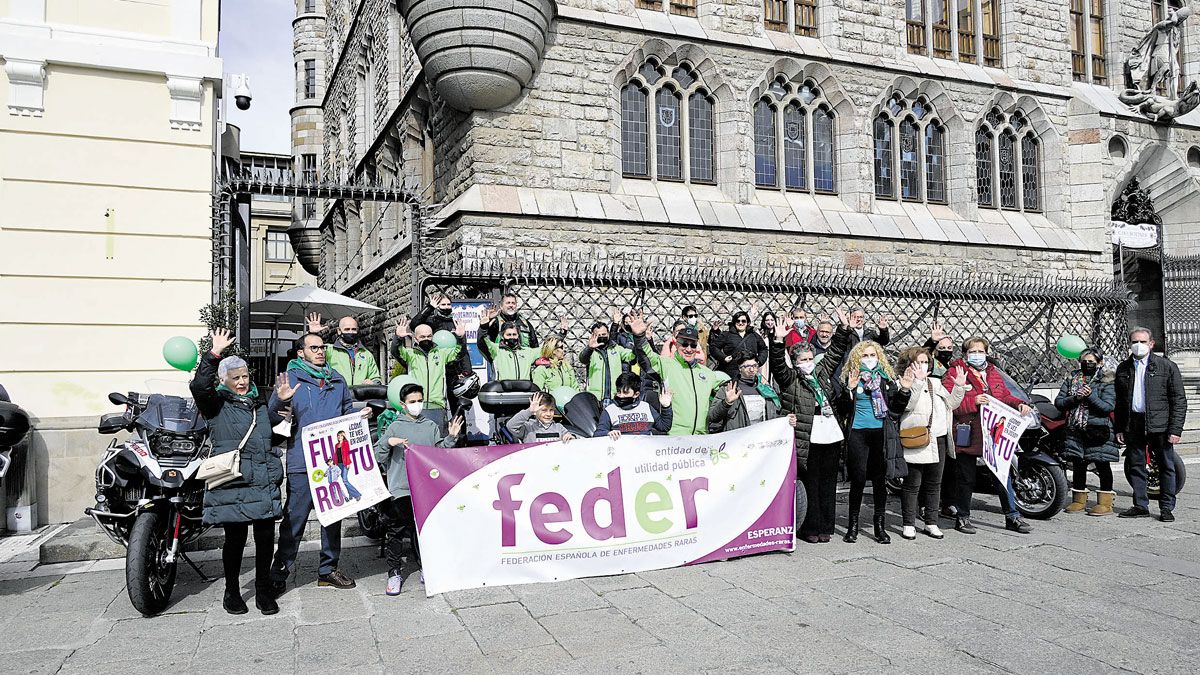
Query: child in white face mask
(409, 428)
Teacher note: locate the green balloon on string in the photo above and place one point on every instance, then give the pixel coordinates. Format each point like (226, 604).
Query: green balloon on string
(393, 392)
(562, 395)
(181, 353)
(1071, 346)
(444, 339)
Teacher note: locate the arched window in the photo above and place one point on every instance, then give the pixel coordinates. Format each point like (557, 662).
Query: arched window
(667, 125)
(1007, 162)
(805, 148)
(919, 159)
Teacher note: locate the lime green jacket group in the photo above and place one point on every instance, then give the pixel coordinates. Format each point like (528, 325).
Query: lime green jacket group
(605, 364)
(511, 364)
(551, 377)
(429, 370)
(691, 388)
(360, 370)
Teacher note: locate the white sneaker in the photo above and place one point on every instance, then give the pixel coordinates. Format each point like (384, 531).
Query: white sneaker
(934, 531)
(909, 532)
(394, 584)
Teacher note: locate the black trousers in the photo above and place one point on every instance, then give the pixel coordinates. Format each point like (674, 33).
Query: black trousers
(865, 460)
(398, 522)
(924, 484)
(1079, 474)
(820, 481)
(235, 545)
(1137, 442)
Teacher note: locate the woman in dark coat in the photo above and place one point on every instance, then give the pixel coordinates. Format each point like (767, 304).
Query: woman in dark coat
(741, 337)
(229, 401)
(1087, 397)
(806, 389)
(873, 400)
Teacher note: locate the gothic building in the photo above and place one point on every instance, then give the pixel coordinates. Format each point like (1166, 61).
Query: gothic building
(916, 139)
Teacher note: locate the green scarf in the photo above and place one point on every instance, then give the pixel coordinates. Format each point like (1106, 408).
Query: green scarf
(816, 387)
(767, 391)
(325, 373)
(250, 395)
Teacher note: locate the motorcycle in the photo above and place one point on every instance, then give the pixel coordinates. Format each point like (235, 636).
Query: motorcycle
(14, 426)
(148, 498)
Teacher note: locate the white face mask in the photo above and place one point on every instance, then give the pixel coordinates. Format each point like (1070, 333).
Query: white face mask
(415, 409)
(1139, 350)
(692, 321)
(921, 370)
(808, 367)
(870, 362)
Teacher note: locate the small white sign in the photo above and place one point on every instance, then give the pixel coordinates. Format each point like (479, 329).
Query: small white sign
(1130, 235)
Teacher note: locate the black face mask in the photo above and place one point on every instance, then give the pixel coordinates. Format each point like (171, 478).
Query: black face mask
(506, 316)
(1088, 369)
(511, 343)
(426, 345)
(748, 380)
(943, 356)
(445, 313)
(625, 401)
(602, 340)
(349, 338)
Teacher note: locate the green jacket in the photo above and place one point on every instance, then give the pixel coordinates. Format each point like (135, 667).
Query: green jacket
(602, 363)
(691, 386)
(429, 370)
(548, 378)
(363, 370)
(511, 364)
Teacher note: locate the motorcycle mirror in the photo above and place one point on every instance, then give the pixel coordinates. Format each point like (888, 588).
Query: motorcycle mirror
(118, 399)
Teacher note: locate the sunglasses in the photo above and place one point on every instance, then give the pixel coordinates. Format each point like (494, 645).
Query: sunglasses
(690, 316)
(688, 344)
(741, 321)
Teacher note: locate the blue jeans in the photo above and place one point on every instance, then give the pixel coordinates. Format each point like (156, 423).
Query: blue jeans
(340, 474)
(295, 516)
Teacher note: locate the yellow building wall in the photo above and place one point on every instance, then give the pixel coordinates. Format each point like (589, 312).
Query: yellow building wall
(105, 249)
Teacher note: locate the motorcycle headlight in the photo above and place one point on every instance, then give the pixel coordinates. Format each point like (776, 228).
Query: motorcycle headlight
(165, 445)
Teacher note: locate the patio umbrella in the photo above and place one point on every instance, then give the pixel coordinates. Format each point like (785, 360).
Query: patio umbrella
(289, 308)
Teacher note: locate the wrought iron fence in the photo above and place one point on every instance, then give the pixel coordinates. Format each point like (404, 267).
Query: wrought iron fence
(1181, 302)
(1023, 316)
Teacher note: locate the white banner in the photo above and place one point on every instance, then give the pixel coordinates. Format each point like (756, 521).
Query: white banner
(528, 513)
(342, 474)
(1002, 427)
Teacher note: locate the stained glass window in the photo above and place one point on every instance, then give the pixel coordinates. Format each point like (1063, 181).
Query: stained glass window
(1007, 161)
(634, 132)
(884, 186)
(935, 163)
(764, 145)
(910, 161)
(666, 143)
(983, 166)
(795, 133)
(700, 137)
(1030, 192)
(823, 165)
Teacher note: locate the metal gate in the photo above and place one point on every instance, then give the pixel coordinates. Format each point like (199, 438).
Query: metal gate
(1181, 302)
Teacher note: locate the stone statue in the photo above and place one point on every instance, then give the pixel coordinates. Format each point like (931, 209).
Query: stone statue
(1153, 62)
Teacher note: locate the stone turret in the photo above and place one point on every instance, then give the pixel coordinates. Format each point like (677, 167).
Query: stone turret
(479, 55)
(308, 30)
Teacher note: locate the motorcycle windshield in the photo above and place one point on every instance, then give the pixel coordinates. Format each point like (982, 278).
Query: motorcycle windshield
(171, 413)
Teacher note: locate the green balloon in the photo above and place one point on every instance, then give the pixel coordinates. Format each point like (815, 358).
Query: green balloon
(181, 353)
(445, 339)
(1071, 346)
(394, 390)
(562, 395)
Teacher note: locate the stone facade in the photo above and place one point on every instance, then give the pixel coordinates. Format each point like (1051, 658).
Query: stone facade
(542, 175)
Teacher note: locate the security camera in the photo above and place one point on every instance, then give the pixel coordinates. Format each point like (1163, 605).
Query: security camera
(241, 91)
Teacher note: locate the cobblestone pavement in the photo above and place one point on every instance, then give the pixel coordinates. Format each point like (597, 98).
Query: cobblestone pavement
(1079, 595)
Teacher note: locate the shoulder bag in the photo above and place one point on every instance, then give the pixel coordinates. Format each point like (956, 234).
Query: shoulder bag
(227, 466)
(916, 438)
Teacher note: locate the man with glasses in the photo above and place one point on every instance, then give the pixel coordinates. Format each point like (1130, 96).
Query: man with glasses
(690, 382)
(319, 393)
(1151, 408)
(859, 331)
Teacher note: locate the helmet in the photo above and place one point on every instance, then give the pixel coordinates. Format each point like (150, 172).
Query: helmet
(467, 387)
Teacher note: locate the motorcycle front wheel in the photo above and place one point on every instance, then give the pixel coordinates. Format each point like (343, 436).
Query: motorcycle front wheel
(149, 578)
(1041, 489)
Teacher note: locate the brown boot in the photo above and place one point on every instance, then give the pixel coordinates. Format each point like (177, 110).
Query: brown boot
(1079, 501)
(1103, 505)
